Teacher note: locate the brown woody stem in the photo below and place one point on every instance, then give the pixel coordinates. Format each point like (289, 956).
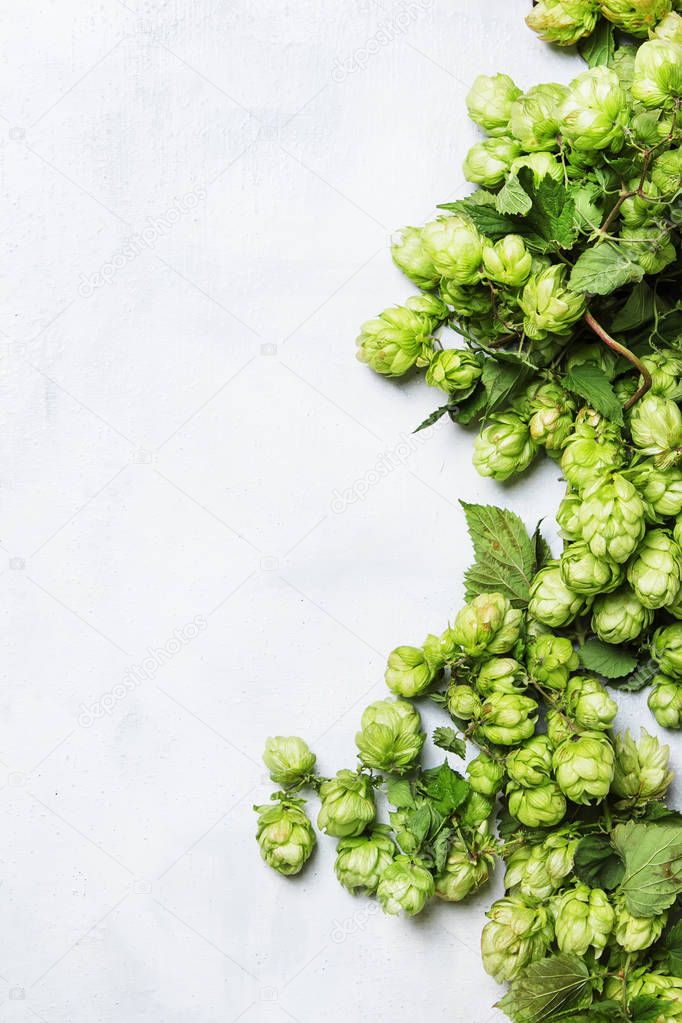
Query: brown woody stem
(615, 346)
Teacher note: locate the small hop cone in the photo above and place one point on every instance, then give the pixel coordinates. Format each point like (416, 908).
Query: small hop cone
(288, 759)
(362, 859)
(519, 932)
(612, 518)
(347, 805)
(285, 836)
(655, 572)
(541, 806)
(657, 79)
(588, 704)
(551, 601)
(620, 617)
(466, 870)
(485, 775)
(563, 22)
(551, 659)
(487, 625)
(507, 719)
(595, 112)
(548, 304)
(390, 736)
(584, 919)
(405, 887)
(641, 768)
(665, 701)
(584, 766)
(636, 17)
(534, 117)
(504, 446)
(666, 649)
(489, 102)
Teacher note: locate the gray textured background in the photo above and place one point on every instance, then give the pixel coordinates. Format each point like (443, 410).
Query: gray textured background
(215, 522)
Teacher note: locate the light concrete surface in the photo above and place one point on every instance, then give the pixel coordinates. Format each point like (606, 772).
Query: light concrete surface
(201, 541)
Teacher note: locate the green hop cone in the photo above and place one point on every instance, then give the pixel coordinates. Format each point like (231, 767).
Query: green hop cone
(288, 760)
(542, 806)
(285, 836)
(583, 919)
(669, 27)
(592, 450)
(559, 727)
(551, 601)
(551, 417)
(661, 490)
(636, 209)
(563, 22)
(584, 573)
(665, 701)
(487, 625)
(651, 245)
(655, 571)
(567, 516)
(531, 764)
(534, 117)
(595, 112)
(485, 775)
(665, 366)
(666, 174)
(589, 704)
(405, 887)
(635, 933)
(475, 810)
(455, 371)
(504, 446)
(548, 304)
(551, 659)
(465, 871)
(410, 256)
(487, 163)
(540, 870)
(508, 261)
(347, 804)
(620, 617)
(455, 248)
(636, 17)
(500, 675)
(400, 337)
(466, 301)
(656, 426)
(463, 702)
(519, 932)
(641, 770)
(506, 719)
(390, 736)
(612, 518)
(411, 670)
(584, 766)
(362, 859)
(489, 102)
(666, 649)
(657, 80)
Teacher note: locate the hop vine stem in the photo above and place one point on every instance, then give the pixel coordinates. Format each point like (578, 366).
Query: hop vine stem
(616, 346)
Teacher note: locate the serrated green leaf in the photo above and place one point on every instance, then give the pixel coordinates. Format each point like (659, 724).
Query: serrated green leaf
(505, 554)
(597, 864)
(440, 848)
(449, 740)
(600, 46)
(652, 854)
(502, 380)
(552, 214)
(637, 310)
(603, 268)
(512, 197)
(484, 216)
(649, 1009)
(607, 660)
(672, 946)
(445, 788)
(432, 418)
(543, 553)
(399, 793)
(590, 382)
(464, 412)
(547, 988)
